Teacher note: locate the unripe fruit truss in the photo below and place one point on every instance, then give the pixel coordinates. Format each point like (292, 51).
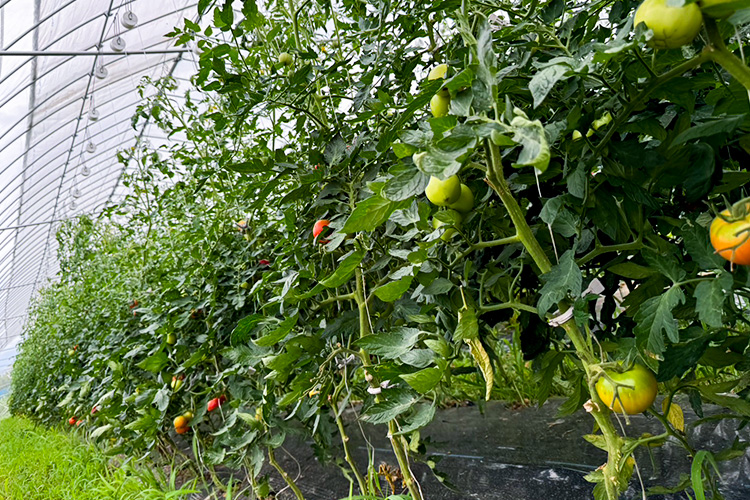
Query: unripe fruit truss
(465, 202)
(443, 193)
(673, 27)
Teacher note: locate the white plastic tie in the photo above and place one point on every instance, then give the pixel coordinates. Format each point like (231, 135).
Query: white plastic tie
(560, 319)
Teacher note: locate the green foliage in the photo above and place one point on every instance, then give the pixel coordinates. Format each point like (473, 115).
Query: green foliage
(214, 244)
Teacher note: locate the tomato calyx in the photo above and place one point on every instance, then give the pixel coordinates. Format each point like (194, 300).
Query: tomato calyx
(737, 212)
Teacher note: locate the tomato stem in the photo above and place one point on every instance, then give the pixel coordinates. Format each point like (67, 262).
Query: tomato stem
(598, 410)
(396, 441)
(719, 52)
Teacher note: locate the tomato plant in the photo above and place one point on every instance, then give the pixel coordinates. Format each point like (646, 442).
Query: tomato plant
(566, 155)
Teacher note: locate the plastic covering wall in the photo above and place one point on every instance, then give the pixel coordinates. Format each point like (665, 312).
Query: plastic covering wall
(55, 161)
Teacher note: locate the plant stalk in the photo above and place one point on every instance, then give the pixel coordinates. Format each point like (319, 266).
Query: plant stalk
(719, 53)
(396, 444)
(348, 455)
(287, 478)
(598, 409)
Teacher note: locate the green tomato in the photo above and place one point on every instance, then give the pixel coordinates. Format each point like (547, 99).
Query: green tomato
(439, 105)
(673, 27)
(636, 398)
(285, 59)
(171, 339)
(577, 135)
(465, 202)
(721, 8)
(449, 231)
(438, 72)
(443, 193)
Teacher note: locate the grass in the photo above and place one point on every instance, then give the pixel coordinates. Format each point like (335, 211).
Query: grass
(48, 464)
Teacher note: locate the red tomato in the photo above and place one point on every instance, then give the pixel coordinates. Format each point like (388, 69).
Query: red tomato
(264, 262)
(213, 404)
(72, 421)
(318, 229)
(216, 403)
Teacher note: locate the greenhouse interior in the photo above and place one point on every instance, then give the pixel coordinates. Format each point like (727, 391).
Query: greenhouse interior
(374, 250)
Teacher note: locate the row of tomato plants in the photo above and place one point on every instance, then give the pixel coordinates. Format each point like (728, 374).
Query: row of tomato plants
(279, 263)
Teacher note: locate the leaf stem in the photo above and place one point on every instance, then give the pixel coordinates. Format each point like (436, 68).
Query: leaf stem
(621, 247)
(509, 305)
(287, 478)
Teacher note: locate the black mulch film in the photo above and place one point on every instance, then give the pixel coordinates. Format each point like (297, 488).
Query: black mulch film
(521, 454)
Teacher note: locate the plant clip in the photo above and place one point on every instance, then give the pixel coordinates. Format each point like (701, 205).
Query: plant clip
(559, 319)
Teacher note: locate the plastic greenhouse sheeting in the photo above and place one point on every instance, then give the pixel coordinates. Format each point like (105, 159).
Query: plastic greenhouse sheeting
(63, 62)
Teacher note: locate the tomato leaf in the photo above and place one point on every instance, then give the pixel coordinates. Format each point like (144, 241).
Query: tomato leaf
(543, 81)
(393, 290)
(276, 335)
(666, 265)
(241, 332)
(710, 296)
(438, 286)
(419, 417)
(423, 381)
(483, 361)
(717, 126)
(699, 247)
(675, 416)
(468, 327)
(345, 270)
(562, 279)
(531, 135)
(406, 183)
(681, 357)
(371, 213)
(154, 363)
(397, 403)
(631, 270)
(655, 316)
(391, 344)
